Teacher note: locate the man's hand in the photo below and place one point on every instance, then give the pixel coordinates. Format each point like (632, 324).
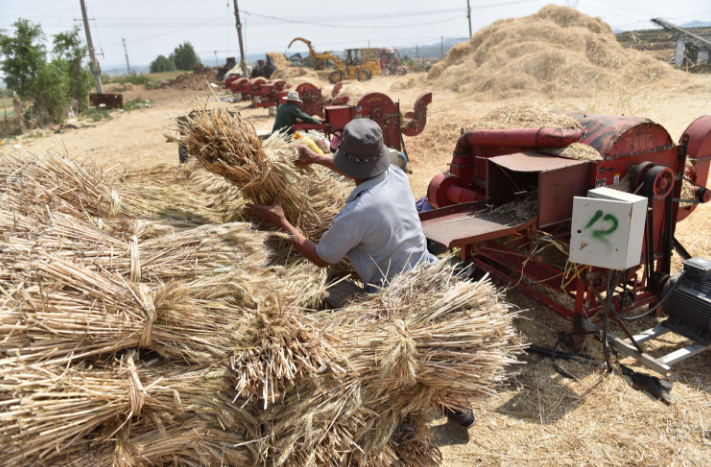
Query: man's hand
(308, 156)
(273, 214)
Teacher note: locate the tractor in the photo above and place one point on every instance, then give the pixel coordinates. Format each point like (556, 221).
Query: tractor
(361, 64)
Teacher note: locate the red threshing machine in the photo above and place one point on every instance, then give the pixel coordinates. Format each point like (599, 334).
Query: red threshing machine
(309, 94)
(238, 86)
(269, 93)
(381, 109)
(491, 168)
(252, 90)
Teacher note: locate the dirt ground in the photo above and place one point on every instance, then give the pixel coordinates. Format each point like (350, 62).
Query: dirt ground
(539, 417)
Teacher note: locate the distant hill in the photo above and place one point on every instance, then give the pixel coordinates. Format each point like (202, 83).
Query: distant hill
(696, 24)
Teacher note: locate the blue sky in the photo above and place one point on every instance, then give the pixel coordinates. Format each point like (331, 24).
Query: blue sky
(153, 27)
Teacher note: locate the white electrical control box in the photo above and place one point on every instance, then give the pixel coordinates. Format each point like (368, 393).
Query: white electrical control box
(607, 230)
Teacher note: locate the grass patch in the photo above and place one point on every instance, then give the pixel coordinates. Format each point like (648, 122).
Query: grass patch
(96, 115)
(136, 103)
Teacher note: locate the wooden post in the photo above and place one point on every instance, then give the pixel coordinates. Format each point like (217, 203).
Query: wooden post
(241, 46)
(18, 111)
(94, 63)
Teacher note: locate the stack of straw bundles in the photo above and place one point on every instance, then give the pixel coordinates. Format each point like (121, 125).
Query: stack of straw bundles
(71, 414)
(430, 340)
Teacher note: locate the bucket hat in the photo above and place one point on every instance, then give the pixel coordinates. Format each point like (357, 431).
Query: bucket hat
(293, 96)
(362, 153)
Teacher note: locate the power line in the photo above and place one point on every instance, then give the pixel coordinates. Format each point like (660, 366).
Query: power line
(348, 27)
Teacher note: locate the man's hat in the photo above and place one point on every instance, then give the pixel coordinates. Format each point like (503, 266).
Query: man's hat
(293, 96)
(362, 153)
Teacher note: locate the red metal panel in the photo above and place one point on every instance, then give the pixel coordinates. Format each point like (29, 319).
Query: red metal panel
(337, 116)
(468, 223)
(614, 135)
(556, 191)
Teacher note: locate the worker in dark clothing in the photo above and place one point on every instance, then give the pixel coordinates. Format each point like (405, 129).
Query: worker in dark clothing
(289, 111)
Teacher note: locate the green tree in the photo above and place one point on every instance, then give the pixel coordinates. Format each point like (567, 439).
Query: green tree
(184, 57)
(68, 46)
(24, 56)
(27, 71)
(162, 63)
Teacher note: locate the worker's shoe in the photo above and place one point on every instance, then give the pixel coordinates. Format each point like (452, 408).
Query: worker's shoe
(466, 419)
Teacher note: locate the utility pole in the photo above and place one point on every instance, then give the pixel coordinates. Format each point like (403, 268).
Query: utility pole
(441, 48)
(217, 64)
(94, 64)
(469, 16)
(368, 44)
(239, 36)
(125, 50)
(417, 51)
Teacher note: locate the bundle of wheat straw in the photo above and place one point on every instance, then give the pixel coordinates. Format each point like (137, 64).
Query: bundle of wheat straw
(70, 312)
(79, 189)
(314, 425)
(60, 411)
(205, 250)
(281, 347)
(411, 444)
(228, 146)
(431, 339)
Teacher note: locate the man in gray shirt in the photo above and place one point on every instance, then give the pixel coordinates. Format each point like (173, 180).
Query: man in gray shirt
(378, 229)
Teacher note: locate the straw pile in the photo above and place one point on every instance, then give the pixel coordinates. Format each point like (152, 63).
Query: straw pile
(528, 115)
(279, 60)
(289, 73)
(557, 51)
(578, 151)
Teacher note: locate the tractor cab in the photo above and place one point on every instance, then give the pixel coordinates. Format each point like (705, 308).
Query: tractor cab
(353, 57)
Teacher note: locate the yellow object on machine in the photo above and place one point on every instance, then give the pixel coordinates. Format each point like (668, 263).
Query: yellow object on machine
(358, 64)
(309, 142)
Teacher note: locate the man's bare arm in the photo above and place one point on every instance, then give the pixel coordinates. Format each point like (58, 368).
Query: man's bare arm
(274, 214)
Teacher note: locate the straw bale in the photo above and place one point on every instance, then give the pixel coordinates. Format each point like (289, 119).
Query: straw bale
(229, 147)
(61, 412)
(279, 59)
(557, 51)
(87, 312)
(67, 186)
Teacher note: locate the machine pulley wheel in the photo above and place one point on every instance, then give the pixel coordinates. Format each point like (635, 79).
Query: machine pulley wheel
(660, 180)
(335, 77)
(378, 115)
(638, 172)
(363, 75)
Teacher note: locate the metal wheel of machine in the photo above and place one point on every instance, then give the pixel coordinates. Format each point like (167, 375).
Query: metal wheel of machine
(363, 75)
(335, 77)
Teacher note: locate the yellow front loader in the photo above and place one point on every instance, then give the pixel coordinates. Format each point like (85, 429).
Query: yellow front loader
(357, 65)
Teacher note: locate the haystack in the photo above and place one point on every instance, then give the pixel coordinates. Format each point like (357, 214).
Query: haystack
(279, 60)
(557, 51)
(289, 73)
